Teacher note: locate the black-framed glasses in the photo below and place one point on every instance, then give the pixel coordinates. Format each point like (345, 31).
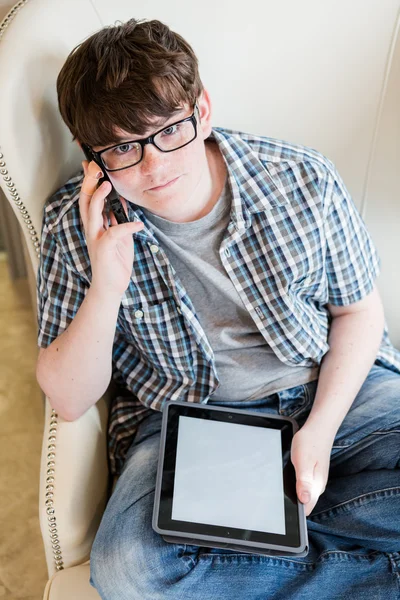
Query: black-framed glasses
(128, 154)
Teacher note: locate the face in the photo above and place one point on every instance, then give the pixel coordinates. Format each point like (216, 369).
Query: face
(174, 185)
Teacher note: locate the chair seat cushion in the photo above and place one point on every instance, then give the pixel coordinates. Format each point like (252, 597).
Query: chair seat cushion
(71, 583)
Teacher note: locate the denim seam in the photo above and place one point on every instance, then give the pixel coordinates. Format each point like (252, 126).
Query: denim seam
(138, 500)
(251, 557)
(342, 554)
(345, 505)
(350, 553)
(383, 432)
(360, 441)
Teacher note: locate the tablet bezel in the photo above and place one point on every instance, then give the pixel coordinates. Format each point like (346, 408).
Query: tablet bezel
(295, 539)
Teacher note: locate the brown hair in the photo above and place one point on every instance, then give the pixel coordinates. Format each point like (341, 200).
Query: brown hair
(125, 76)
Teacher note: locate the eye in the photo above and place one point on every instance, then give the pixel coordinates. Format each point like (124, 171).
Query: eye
(123, 149)
(170, 130)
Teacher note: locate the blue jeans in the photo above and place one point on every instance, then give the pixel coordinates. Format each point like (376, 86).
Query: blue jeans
(354, 529)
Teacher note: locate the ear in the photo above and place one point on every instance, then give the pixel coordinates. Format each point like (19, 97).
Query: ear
(205, 109)
(79, 144)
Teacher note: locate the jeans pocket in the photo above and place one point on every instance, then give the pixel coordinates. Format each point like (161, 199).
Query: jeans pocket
(297, 400)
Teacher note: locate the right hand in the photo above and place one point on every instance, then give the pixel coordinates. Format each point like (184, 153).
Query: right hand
(111, 248)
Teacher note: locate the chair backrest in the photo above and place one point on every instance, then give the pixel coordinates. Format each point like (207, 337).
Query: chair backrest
(322, 74)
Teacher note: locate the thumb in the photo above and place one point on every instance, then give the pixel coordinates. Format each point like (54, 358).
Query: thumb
(304, 484)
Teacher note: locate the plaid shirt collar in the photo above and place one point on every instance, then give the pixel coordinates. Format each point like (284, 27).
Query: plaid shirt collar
(252, 185)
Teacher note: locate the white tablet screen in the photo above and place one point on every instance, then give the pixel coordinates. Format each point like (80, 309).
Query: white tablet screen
(229, 475)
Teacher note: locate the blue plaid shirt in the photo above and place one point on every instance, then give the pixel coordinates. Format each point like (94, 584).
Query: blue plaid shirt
(295, 242)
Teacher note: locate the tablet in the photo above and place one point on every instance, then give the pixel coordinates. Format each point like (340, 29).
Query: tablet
(225, 480)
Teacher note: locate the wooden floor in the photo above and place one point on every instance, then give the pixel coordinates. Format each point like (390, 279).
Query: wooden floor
(23, 572)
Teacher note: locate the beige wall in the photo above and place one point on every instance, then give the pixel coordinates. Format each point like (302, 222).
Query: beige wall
(309, 72)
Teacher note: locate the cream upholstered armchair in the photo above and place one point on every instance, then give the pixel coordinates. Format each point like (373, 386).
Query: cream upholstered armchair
(304, 72)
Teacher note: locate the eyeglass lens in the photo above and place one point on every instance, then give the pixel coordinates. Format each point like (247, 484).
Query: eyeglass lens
(130, 153)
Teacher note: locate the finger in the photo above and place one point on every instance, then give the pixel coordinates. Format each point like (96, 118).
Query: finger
(304, 465)
(124, 206)
(124, 229)
(90, 182)
(105, 221)
(91, 179)
(309, 506)
(305, 483)
(318, 488)
(89, 186)
(96, 209)
(85, 165)
(304, 491)
(113, 218)
(306, 496)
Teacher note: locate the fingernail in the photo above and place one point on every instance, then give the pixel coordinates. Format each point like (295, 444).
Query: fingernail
(305, 497)
(99, 174)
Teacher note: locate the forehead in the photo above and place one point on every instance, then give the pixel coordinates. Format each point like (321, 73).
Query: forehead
(123, 135)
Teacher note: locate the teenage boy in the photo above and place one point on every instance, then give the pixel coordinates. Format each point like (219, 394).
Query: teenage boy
(250, 282)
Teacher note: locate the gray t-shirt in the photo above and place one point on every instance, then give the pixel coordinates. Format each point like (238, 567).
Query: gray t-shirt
(246, 365)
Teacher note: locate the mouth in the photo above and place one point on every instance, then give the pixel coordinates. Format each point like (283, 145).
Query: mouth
(163, 186)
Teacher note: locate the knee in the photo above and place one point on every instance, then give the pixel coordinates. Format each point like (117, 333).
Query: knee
(129, 560)
(118, 562)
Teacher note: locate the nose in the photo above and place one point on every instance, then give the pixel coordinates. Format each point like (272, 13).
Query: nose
(152, 159)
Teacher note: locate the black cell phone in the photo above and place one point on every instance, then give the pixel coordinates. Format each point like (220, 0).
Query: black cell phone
(112, 198)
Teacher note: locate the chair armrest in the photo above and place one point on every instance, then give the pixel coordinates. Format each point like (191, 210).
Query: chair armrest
(74, 483)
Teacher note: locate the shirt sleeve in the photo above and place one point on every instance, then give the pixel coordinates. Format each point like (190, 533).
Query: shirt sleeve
(59, 291)
(352, 261)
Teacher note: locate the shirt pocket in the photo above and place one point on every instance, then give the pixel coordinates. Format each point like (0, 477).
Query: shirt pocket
(159, 332)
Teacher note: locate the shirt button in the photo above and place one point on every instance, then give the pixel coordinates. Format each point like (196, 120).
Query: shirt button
(227, 252)
(154, 248)
(179, 310)
(138, 314)
(259, 312)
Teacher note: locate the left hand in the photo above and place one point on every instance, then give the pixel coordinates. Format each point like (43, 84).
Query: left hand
(310, 455)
